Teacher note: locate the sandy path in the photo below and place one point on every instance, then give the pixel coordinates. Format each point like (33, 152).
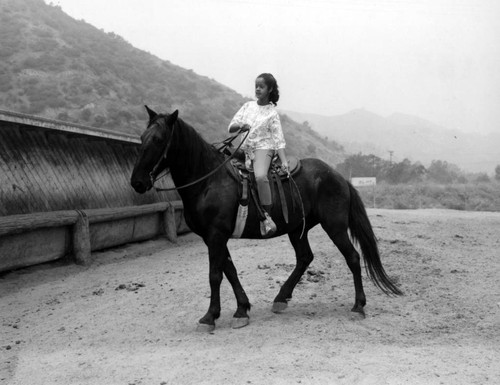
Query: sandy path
(130, 317)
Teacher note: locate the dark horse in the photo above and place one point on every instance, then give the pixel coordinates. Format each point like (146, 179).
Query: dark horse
(210, 209)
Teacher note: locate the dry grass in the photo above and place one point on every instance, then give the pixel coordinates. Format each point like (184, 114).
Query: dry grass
(466, 197)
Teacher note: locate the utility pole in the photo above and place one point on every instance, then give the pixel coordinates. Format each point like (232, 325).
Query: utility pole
(390, 157)
(374, 175)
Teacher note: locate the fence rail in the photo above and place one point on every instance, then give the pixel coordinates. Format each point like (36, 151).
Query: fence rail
(29, 239)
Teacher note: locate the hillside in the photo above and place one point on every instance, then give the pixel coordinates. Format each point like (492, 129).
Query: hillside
(57, 67)
(407, 137)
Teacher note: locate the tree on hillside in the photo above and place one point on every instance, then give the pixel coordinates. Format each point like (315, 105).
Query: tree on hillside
(360, 165)
(482, 178)
(443, 172)
(404, 172)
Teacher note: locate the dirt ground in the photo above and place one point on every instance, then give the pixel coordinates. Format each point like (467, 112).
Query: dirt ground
(130, 318)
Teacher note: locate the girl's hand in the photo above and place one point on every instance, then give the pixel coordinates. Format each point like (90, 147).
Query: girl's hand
(284, 166)
(245, 128)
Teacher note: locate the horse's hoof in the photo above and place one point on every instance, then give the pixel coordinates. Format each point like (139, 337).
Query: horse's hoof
(205, 328)
(279, 307)
(240, 322)
(358, 313)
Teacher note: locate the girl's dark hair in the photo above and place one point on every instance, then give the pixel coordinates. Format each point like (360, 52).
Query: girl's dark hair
(271, 82)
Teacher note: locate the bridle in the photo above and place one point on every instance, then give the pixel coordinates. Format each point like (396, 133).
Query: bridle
(152, 174)
(226, 142)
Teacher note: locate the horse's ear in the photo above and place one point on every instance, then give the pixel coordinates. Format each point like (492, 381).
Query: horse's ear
(151, 113)
(173, 117)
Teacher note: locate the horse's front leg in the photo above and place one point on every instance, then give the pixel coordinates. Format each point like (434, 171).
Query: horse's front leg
(217, 251)
(241, 317)
(207, 322)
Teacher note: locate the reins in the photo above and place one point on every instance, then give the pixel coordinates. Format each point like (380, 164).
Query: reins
(301, 206)
(226, 143)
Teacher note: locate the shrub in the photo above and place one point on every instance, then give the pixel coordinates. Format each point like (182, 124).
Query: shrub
(86, 114)
(99, 120)
(63, 116)
(472, 197)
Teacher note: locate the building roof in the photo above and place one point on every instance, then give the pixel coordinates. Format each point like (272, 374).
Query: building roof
(70, 128)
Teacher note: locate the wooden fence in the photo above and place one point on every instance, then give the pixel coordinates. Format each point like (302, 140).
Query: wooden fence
(29, 239)
(64, 190)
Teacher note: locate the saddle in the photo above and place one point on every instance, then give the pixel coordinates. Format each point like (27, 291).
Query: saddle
(277, 176)
(248, 186)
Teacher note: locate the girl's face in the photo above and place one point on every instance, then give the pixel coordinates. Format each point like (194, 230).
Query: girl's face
(262, 91)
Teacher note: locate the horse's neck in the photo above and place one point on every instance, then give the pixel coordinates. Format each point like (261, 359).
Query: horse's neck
(193, 158)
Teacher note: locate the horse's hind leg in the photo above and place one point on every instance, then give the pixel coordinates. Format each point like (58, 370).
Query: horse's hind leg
(240, 318)
(304, 256)
(344, 244)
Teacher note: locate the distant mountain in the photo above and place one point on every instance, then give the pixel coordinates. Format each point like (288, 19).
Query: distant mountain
(57, 67)
(408, 137)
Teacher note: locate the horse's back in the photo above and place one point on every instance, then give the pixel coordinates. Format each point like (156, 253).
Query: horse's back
(319, 172)
(324, 191)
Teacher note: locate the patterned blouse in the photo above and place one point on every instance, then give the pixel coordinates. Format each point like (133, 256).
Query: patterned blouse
(265, 132)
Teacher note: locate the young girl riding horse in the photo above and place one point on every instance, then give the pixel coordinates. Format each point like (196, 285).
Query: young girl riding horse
(265, 138)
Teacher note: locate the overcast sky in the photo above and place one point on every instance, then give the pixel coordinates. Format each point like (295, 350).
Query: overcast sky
(437, 59)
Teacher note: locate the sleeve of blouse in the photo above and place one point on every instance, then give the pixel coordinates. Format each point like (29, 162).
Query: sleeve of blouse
(277, 133)
(239, 117)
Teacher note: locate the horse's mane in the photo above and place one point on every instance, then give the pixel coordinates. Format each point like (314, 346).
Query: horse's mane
(202, 155)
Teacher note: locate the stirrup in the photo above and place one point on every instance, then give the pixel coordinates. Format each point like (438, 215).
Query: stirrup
(267, 226)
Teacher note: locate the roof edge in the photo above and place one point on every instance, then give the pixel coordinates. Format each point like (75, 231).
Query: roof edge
(52, 124)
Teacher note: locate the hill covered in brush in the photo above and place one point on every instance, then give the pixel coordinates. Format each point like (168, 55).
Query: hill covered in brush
(57, 67)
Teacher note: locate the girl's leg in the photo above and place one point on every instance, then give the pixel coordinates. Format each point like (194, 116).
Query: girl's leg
(261, 164)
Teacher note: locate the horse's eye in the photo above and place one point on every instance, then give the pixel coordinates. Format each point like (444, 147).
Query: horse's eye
(156, 140)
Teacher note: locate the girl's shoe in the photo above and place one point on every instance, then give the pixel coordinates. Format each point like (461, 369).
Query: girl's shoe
(267, 227)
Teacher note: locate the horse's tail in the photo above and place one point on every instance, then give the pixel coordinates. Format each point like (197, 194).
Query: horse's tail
(361, 230)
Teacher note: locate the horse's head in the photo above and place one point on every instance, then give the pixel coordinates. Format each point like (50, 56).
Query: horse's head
(155, 142)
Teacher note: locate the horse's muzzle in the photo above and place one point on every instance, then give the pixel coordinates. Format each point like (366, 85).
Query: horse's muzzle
(139, 187)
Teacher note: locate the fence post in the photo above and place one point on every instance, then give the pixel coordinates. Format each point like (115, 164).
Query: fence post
(81, 239)
(169, 224)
